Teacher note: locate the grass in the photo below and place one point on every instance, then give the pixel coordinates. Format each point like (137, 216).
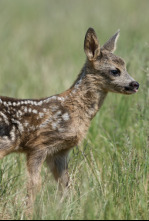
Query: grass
(41, 53)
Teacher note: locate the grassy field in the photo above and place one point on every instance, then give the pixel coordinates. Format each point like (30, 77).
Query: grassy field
(41, 53)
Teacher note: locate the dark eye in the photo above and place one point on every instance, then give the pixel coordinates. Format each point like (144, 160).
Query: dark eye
(115, 73)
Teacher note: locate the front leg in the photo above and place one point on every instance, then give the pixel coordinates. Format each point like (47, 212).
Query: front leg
(35, 160)
(58, 165)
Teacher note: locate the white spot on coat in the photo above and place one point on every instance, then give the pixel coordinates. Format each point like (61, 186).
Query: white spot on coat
(26, 124)
(35, 111)
(66, 117)
(54, 125)
(35, 103)
(61, 99)
(25, 110)
(12, 134)
(40, 103)
(5, 103)
(19, 113)
(20, 126)
(4, 117)
(30, 110)
(41, 115)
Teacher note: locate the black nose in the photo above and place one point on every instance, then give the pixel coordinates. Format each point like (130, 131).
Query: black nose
(134, 85)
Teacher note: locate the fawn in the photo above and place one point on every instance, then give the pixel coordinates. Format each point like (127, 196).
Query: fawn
(47, 129)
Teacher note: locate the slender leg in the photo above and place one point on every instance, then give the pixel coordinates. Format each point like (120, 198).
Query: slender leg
(59, 168)
(35, 160)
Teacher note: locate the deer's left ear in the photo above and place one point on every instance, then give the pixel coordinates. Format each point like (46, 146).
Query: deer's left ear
(91, 45)
(111, 44)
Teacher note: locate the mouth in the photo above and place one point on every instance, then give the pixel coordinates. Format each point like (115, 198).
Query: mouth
(130, 90)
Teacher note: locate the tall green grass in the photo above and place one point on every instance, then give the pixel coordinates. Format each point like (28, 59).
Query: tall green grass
(41, 53)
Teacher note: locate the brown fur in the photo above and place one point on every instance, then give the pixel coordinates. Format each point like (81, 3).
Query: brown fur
(47, 129)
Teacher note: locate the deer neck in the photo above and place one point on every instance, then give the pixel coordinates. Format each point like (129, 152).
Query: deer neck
(87, 96)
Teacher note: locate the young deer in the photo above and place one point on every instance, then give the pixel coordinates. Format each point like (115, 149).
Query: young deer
(47, 129)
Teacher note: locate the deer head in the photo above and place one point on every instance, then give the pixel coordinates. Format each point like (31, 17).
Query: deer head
(109, 69)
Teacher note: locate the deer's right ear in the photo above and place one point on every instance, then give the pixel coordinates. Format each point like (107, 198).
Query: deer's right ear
(91, 45)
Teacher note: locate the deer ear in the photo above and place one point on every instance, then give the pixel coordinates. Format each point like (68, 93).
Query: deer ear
(111, 44)
(91, 45)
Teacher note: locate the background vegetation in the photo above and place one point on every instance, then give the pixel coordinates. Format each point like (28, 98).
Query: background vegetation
(41, 53)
